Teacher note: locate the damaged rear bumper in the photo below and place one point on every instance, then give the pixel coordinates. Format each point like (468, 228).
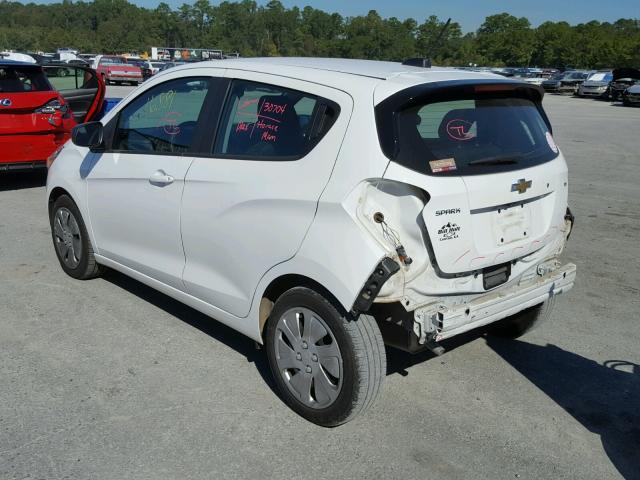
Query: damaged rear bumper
(438, 322)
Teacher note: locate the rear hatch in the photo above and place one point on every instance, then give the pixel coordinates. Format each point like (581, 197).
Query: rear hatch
(23, 90)
(484, 154)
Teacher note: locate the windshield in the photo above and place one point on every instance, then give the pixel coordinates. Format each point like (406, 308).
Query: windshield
(23, 79)
(576, 75)
(601, 77)
(473, 136)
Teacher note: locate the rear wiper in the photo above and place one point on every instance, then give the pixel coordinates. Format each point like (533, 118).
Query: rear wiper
(501, 160)
(510, 159)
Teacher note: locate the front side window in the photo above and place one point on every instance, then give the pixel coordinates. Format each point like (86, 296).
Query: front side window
(268, 122)
(472, 136)
(162, 119)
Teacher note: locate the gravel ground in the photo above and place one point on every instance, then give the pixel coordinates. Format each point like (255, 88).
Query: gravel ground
(107, 379)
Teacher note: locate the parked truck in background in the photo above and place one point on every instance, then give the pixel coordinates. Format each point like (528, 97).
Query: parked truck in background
(116, 70)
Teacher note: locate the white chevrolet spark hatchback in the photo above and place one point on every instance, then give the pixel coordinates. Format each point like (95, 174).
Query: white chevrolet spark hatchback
(324, 208)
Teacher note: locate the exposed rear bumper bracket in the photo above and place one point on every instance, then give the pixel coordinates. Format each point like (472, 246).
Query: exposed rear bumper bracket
(383, 271)
(440, 322)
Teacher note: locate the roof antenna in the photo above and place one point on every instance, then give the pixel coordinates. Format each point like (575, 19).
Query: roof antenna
(425, 62)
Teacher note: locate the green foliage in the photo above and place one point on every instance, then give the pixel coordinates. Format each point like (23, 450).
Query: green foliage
(117, 26)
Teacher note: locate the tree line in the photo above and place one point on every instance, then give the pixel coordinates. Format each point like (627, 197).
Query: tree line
(117, 26)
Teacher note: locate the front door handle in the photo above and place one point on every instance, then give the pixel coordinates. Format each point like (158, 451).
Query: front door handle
(160, 178)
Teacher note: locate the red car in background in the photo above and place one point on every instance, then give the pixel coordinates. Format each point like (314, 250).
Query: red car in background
(115, 69)
(35, 118)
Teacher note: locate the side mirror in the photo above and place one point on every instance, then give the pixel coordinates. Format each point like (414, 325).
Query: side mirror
(88, 134)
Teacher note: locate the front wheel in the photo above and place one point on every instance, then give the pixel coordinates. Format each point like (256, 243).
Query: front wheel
(520, 323)
(327, 365)
(71, 241)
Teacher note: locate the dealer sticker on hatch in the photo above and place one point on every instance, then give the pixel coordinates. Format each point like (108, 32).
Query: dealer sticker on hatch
(444, 165)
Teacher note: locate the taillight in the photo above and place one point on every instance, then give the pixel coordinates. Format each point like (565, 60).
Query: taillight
(52, 107)
(51, 158)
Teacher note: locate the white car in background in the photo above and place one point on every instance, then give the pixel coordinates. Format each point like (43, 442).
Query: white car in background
(324, 207)
(17, 57)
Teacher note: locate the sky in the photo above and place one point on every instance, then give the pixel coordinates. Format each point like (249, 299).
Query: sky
(469, 13)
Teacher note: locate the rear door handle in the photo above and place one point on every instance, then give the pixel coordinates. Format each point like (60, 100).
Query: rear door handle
(160, 178)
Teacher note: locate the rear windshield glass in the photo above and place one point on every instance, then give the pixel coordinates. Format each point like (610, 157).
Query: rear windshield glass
(26, 79)
(473, 136)
(112, 60)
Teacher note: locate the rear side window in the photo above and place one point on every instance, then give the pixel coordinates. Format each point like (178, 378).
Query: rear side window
(27, 79)
(163, 119)
(472, 136)
(272, 123)
(70, 78)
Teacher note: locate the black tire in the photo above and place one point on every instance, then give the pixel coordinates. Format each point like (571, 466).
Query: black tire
(364, 363)
(522, 322)
(86, 267)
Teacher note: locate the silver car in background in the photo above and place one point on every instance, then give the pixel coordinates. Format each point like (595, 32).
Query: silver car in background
(596, 85)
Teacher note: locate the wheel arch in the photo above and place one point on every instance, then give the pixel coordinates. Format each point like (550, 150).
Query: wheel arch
(55, 194)
(283, 283)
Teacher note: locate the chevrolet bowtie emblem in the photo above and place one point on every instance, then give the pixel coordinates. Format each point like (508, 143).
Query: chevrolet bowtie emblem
(521, 186)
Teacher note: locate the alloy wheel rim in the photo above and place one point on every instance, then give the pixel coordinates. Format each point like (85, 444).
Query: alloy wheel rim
(67, 237)
(308, 357)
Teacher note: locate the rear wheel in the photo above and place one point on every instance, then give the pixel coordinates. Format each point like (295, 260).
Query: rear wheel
(71, 241)
(520, 323)
(327, 365)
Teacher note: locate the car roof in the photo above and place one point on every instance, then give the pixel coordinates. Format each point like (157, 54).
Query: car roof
(380, 70)
(364, 68)
(349, 75)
